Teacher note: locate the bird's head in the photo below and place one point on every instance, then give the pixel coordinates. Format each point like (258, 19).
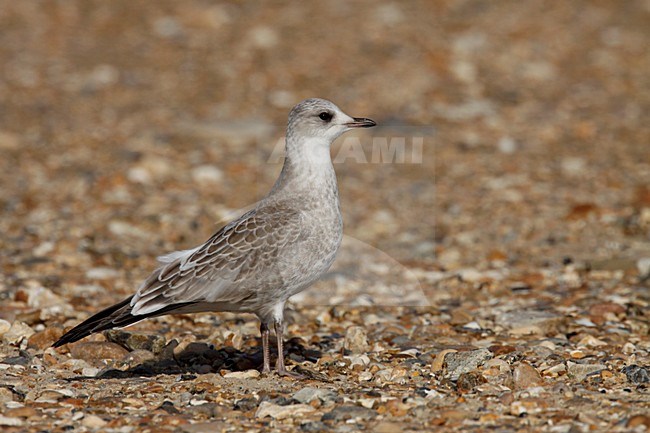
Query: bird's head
(321, 120)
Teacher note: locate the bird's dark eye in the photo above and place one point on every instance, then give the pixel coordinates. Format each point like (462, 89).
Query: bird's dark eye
(325, 116)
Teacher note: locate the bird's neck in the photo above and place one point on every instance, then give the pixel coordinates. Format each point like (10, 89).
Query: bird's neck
(307, 166)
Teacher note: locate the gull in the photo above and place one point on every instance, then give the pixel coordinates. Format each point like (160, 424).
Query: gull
(257, 262)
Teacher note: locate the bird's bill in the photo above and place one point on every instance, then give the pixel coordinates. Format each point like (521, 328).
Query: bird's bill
(361, 122)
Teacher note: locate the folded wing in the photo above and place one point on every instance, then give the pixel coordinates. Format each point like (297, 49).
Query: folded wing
(220, 270)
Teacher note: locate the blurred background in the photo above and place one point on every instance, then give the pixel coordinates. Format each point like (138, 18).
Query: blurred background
(129, 129)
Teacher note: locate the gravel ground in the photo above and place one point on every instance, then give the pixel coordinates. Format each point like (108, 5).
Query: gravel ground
(496, 280)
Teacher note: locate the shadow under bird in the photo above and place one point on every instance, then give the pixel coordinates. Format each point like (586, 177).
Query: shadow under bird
(258, 261)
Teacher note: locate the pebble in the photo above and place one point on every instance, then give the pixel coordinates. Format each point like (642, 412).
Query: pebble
(458, 363)
(643, 266)
(276, 411)
(525, 376)
(21, 412)
(521, 407)
(18, 332)
(364, 376)
(628, 348)
(585, 321)
(248, 374)
(11, 421)
(439, 361)
(555, 370)
(90, 371)
(207, 175)
(314, 426)
(639, 420)
(349, 412)
(528, 322)
(93, 421)
(205, 427)
(362, 360)
(45, 338)
(41, 297)
(6, 395)
(591, 341)
(4, 327)
(133, 341)
(637, 374)
(356, 339)
(580, 371)
(102, 273)
(308, 394)
(97, 351)
(263, 37)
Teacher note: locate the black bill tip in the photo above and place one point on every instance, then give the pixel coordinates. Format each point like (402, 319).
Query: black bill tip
(361, 122)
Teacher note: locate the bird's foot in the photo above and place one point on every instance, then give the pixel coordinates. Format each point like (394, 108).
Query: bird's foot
(288, 373)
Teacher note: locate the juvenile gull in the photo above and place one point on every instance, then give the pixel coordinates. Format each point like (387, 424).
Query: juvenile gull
(258, 261)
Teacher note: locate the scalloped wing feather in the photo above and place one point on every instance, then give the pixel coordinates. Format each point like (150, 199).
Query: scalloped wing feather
(247, 249)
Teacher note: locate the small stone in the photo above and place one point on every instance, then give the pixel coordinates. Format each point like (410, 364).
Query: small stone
(134, 341)
(349, 412)
(93, 421)
(6, 395)
(9, 141)
(362, 360)
(53, 395)
(21, 412)
(580, 371)
(248, 374)
(472, 325)
(246, 404)
(585, 321)
(4, 327)
(527, 322)
(525, 376)
(643, 266)
(205, 427)
(577, 354)
(591, 341)
(102, 273)
(468, 381)
(281, 412)
(605, 311)
(45, 338)
(439, 361)
(97, 351)
(507, 145)
(573, 166)
(367, 402)
(364, 376)
(308, 394)
(522, 407)
(207, 175)
(464, 362)
(555, 370)
(11, 421)
(356, 339)
(263, 37)
(18, 332)
(41, 297)
(90, 371)
(638, 420)
(636, 374)
(628, 348)
(138, 357)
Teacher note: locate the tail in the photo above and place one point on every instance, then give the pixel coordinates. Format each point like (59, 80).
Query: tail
(118, 315)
